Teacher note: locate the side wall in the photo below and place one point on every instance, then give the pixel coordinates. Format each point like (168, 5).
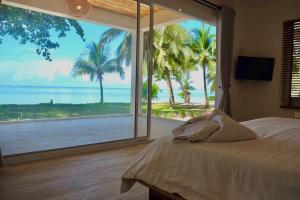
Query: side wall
(258, 32)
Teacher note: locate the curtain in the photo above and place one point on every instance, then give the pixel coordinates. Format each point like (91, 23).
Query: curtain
(225, 56)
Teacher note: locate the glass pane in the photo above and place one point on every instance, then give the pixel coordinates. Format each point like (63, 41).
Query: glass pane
(184, 73)
(143, 70)
(69, 82)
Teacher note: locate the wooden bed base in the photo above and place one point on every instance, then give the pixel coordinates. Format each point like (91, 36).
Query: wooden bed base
(158, 194)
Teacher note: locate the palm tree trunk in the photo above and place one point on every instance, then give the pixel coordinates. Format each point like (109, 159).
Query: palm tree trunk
(170, 87)
(205, 88)
(186, 94)
(101, 88)
(187, 97)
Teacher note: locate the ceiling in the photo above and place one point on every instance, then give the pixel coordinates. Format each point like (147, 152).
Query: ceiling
(123, 7)
(258, 2)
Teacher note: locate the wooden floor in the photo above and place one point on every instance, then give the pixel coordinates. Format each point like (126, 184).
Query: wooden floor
(88, 176)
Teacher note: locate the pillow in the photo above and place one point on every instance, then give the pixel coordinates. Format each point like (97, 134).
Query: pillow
(196, 132)
(230, 130)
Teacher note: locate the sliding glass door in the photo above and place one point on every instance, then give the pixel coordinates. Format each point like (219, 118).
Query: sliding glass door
(145, 64)
(101, 71)
(184, 68)
(83, 76)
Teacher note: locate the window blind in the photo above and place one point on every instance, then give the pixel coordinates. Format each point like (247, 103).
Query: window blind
(290, 78)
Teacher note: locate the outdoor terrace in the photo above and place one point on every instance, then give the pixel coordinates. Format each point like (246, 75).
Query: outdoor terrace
(43, 135)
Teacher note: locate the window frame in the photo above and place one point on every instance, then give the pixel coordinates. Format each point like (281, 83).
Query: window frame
(288, 50)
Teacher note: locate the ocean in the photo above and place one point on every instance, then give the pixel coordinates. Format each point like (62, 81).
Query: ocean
(79, 95)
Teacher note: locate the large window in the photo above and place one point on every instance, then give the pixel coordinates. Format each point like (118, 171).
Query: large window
(184, 71)
(62, 83)
(67, 82)
(290, 86)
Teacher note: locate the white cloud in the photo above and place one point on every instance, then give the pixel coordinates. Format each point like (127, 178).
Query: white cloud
(59, 71)
(196, 78)
(37, 69)
(114, 78)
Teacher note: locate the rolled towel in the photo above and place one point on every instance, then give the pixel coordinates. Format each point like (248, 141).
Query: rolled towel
(230, 130)
(204, 117)
(196, 132)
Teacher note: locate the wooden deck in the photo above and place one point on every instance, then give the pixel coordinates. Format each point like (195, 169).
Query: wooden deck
(34, 136)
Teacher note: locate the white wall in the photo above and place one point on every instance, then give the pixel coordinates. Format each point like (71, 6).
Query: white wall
(258, 32)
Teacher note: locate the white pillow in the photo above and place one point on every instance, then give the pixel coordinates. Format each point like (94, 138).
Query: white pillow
(230, 130)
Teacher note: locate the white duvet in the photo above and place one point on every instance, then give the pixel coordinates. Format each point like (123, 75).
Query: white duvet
(265, 168)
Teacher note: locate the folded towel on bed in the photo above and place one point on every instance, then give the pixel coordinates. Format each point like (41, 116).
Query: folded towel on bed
(205, 117)
(215, 127)
(196, 132)
(230, 130)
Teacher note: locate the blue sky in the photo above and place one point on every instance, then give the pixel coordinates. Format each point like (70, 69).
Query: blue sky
(20, 65)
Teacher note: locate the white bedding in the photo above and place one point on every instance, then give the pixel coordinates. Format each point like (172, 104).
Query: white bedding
(265, 168)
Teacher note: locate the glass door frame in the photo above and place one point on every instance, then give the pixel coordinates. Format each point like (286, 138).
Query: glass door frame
(187, 12)
(138, 68)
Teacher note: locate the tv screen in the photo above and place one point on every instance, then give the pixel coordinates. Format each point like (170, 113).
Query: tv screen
(252, 68)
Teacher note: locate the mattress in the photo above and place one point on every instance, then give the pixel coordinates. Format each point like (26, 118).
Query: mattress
(265, 168)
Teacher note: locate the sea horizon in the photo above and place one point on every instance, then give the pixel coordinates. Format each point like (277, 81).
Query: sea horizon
(31, 94)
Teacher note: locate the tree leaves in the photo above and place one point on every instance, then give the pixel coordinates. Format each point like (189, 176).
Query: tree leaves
(125, 47)
(28, 26)
(97, 63)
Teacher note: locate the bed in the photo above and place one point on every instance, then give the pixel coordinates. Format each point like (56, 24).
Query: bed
(265, 168)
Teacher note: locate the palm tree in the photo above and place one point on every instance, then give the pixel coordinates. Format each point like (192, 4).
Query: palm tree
(203, 44)
(97, 64)
(211, 75)
(167, 43)
(124, 49)
(155, 91)
(186, 87)
(185, 63)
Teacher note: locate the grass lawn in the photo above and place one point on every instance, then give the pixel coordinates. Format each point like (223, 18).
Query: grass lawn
(177, 111)
(42, 111)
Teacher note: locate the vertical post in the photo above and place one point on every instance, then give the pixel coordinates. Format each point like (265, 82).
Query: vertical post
(218, 92)
(1, 159)
(137, 70)
(133, 67)
(133, 82)
(150, 70)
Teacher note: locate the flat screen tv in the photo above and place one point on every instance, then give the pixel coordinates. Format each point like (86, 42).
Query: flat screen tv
(253, 68)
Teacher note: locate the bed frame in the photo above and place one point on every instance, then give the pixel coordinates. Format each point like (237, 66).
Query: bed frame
(158, 194)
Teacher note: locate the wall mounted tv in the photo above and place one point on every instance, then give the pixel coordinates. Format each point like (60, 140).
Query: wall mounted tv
(253, 68)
